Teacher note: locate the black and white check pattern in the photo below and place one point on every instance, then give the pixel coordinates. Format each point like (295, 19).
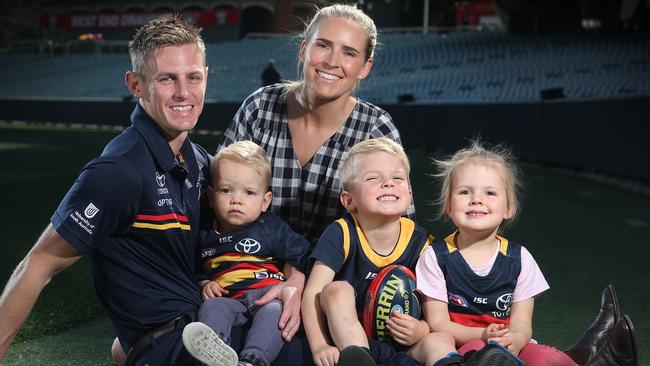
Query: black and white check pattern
(307, 198)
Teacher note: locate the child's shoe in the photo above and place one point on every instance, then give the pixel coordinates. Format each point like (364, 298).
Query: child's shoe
(205, 345)
(355, 356)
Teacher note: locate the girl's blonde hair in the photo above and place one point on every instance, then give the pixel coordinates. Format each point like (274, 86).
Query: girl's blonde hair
(498, 157)
(247, 153)
(349, 165)
(347, 12)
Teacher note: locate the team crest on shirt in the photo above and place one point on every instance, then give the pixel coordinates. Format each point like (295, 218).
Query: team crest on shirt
(160, 179)
(248, 246)
(457, 300)
(91, 210)
(208, 252)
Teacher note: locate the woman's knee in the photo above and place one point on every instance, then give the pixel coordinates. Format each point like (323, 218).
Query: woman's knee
(474, 345)
(534, 354)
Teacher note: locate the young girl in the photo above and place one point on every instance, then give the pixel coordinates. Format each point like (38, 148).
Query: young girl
(479, 286)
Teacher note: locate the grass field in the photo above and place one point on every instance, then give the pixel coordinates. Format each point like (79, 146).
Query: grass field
(583, 234)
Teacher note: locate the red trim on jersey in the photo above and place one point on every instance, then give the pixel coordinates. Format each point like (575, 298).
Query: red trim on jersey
(162, 217)
(255, 267)
(472, 320)
(256, 285)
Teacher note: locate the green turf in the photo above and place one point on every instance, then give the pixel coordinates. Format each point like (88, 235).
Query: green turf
(582, 233)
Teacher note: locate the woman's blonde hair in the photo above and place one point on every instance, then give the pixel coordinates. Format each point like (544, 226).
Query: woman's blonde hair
(347, 12)
(498, 157)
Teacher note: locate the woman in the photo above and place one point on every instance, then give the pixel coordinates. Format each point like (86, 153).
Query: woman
(307, 125)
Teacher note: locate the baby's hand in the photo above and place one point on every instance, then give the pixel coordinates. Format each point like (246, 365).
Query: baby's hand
(212, 289)
(494, 331)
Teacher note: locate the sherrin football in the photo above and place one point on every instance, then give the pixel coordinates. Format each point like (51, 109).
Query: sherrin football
(392, 290)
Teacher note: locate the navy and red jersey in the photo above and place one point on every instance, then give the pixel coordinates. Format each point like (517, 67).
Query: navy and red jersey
(343, 247)
(474, 300)
(134, 213)
(252, 257)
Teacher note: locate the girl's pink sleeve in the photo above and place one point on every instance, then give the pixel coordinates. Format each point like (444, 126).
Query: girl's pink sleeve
(430, 280)
(531, 281)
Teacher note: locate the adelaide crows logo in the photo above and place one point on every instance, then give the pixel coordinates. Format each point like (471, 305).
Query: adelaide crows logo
(457, 300)
(160, 179)
(248, 246)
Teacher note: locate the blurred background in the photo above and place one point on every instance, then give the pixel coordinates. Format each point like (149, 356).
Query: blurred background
(565, 84)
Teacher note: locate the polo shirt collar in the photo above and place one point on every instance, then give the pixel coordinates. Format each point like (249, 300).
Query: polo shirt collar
(157, 141)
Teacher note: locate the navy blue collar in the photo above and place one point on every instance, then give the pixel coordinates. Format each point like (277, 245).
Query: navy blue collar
(157, 142)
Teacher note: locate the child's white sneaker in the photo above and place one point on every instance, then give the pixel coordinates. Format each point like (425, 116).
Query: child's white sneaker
(205, 345)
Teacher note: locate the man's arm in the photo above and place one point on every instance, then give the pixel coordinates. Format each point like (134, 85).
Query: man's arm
(50, 255)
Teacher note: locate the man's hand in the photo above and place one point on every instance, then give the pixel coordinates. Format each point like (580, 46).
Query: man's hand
(291, 298)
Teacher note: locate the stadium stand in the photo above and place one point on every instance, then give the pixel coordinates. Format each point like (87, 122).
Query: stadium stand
(475, 67)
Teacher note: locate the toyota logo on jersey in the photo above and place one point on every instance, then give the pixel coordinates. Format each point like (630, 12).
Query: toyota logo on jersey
(248, 246)
(503, 302)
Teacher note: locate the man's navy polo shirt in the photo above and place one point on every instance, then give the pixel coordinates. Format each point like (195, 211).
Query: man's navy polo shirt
(134, 213)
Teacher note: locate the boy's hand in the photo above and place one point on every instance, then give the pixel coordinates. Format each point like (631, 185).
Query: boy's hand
(326, 356)
(212, 289)
(405, 329)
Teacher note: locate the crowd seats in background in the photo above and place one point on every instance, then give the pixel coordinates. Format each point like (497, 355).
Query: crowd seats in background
(409, 68)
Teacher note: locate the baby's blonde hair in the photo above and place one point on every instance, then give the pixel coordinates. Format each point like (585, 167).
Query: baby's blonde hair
(349, 165)
(498, 157)
(247, 153)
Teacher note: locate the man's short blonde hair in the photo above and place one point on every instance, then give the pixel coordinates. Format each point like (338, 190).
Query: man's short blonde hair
(247, 153)
(166, 30)
(349, 165)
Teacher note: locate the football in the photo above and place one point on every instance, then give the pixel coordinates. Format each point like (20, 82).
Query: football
(392, 290)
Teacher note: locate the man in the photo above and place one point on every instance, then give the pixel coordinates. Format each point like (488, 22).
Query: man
(134, 211)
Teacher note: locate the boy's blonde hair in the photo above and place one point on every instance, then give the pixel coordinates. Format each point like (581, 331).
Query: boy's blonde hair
(247, 153)
(349, 165)
(498, 157)
(345, 11)
(166, 30)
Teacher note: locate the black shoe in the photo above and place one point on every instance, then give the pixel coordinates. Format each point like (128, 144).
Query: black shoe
(355, 356)
(621, 348)
(491, 355)
(596, 335)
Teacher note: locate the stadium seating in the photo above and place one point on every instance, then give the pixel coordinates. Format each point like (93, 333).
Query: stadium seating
(409, 67)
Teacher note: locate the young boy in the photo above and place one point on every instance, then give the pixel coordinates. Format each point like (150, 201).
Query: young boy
(241, 257)
(376, 193)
